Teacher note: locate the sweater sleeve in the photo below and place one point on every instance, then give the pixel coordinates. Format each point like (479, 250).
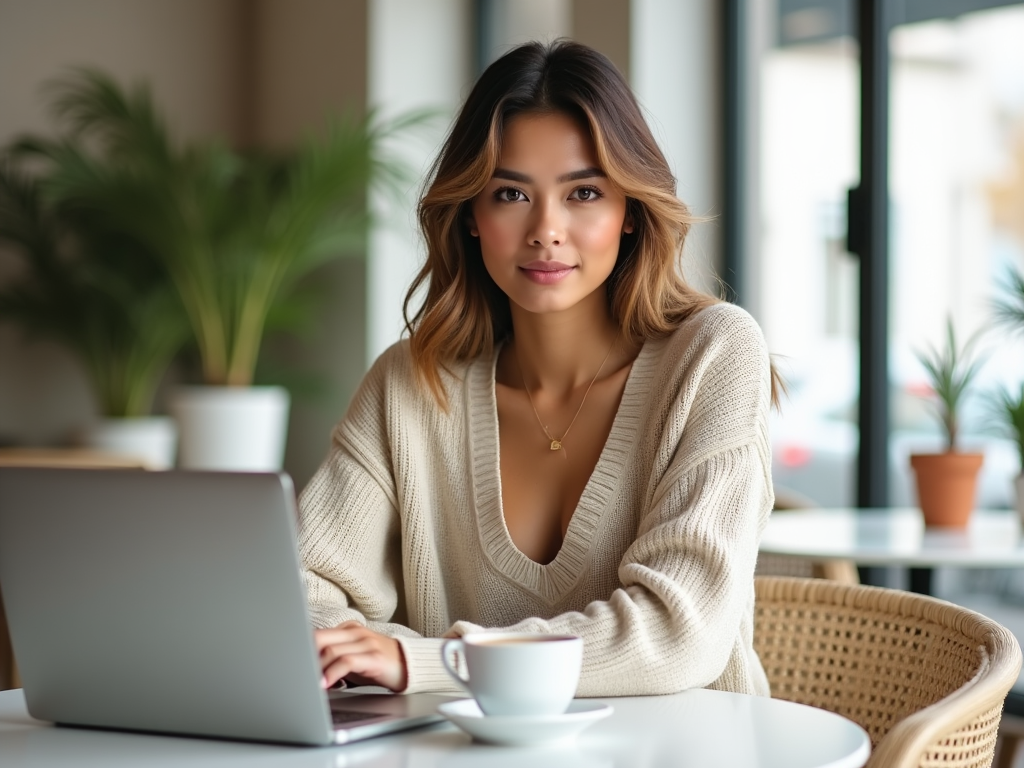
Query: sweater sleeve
(349, 524)
(350, 550)
(348, 544)
(686, 581)
(350, 533)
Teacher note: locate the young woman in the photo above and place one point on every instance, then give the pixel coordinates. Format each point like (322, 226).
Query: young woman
(572, 440)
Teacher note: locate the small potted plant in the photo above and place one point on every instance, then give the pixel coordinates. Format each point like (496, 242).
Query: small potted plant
(946, 481)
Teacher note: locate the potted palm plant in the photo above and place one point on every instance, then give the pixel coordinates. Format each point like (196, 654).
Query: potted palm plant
(101, 295)
(946, 481)
(235, 233)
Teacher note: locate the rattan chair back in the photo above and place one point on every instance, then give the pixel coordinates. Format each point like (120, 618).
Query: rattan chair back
(925, 678)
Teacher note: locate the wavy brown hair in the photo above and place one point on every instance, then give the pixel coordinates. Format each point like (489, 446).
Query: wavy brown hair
(464, 312)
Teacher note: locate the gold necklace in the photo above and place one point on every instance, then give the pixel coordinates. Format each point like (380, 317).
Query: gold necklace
(556, 443)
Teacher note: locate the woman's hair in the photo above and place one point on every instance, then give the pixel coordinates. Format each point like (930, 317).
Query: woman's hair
(464, 312)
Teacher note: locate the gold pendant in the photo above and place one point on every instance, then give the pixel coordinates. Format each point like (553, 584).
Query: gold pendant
(556, 445)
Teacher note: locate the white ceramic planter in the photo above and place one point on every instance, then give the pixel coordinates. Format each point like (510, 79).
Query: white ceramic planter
(153, 439)
(231, 428)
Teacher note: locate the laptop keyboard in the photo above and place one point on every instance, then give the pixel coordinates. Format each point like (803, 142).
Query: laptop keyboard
(348, 716)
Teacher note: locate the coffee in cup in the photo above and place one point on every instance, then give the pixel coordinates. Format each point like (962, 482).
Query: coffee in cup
(517, 674)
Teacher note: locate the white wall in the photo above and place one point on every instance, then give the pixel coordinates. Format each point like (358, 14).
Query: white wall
(674, 65)
(419, 56)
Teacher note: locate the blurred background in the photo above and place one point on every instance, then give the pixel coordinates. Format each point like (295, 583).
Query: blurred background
(262, 74)
(756, 104)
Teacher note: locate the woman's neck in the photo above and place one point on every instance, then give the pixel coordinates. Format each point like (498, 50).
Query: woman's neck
(560, 351)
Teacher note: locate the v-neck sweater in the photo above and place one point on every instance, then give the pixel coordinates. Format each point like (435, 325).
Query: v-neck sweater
(402, 529)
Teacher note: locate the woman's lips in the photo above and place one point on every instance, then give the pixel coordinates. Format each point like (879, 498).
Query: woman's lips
(546, 272)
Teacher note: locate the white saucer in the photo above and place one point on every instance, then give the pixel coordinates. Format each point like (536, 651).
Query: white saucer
(523, 730)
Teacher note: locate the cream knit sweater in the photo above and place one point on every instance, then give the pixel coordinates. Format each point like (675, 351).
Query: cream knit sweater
(402, 529)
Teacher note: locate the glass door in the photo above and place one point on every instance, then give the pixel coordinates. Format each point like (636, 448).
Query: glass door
(805, 294)
(956, 181)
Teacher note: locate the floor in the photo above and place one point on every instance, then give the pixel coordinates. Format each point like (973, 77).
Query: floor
(1019, 760)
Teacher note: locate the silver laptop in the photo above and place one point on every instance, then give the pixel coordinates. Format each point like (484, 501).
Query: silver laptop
(172, 602)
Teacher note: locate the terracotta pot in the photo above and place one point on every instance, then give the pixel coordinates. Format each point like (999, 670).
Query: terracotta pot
(945, 487)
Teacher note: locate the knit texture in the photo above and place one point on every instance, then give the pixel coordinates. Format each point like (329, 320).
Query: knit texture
(402, 529)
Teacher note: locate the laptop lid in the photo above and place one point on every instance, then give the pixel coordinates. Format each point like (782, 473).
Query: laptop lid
(165, 601)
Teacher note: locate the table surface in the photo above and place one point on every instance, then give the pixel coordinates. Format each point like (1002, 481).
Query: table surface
(695, 728)
(992, 539)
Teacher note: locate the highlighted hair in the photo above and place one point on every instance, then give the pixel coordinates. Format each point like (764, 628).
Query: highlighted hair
(464, 313)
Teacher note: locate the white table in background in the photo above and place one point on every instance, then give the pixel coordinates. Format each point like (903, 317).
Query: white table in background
(896, 537)
(698, 728)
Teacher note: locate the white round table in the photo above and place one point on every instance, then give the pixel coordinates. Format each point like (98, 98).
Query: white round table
(695, 728)
(992, 539)
(896, 537)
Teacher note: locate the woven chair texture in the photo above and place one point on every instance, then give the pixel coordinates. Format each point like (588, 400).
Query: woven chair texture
(925, 678)
(769, 564)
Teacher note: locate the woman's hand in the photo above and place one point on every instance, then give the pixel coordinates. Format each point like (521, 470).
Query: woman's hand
(361, 656)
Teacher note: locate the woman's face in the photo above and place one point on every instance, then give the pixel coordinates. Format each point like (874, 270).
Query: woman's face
(549, 220)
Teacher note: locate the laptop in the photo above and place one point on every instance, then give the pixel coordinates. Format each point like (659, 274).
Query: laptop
(172, 602)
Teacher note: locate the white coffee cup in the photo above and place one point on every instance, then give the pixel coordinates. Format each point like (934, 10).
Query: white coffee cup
(516, 673)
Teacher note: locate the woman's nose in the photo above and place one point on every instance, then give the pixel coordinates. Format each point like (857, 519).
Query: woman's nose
(548, 226)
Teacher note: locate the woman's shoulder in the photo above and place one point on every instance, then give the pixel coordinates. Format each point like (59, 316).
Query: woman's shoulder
(395, 371)
(392, 368)
(720, 328)
(395, 361)
(716, 355)
(714, 373)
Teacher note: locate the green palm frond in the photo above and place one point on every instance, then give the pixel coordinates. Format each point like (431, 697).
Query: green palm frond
(86, 285)
(43, 298)
(234, 234)
(1007, 408)
(1009, 308)
(92, 105)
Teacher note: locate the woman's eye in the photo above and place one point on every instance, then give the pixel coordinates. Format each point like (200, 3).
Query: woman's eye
(509, 195)
(586, 194)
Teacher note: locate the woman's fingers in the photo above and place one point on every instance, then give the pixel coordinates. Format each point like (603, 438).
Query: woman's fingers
(367, 667)
(348, 631)
(350, 649)
(334, 672)
(335, 651)
(337, 647)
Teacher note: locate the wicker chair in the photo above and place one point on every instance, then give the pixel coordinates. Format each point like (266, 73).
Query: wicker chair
(926, 679)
